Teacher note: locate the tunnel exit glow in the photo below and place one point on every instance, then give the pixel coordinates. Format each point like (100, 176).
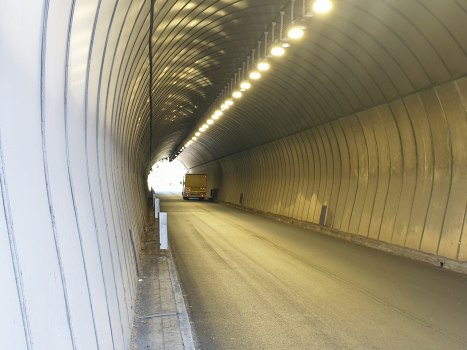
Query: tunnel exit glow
(166, 176)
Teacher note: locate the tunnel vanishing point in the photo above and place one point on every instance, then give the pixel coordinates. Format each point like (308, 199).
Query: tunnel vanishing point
(365, 115)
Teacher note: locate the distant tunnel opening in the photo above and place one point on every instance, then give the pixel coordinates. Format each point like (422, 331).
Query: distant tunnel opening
(167, 176)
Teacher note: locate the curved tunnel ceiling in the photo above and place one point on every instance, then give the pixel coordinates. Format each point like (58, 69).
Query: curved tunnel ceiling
(196, 47)
(362, 54)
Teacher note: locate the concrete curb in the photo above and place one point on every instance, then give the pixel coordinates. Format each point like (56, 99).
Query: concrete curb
(183, 318)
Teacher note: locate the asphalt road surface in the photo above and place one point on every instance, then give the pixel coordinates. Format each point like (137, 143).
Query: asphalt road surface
(255, 283)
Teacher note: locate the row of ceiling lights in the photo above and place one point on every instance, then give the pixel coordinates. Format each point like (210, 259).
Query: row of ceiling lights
(295, 31)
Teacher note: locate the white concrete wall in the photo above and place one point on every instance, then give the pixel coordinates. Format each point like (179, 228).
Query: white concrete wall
(72, 170)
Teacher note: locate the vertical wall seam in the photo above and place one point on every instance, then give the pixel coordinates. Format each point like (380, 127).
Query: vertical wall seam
(151, 28)
(416, 169)
(86, 105)
(99, 167)
(123, 164)
(46, 172)
(433, 171)
(14, 251)
(108, 186)
(383, 128)
(464, 221)
(402, 171)
(452, 169)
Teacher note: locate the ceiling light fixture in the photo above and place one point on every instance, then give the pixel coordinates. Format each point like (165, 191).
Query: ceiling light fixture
(245, 85)
(295, 30)
(295, 33)
(322, 6)
(263, 66)
(255, 75)
(253, 70)
(277, 50)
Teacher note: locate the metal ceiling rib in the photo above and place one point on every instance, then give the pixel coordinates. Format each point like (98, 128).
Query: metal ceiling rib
(197, 45)
(362, 54)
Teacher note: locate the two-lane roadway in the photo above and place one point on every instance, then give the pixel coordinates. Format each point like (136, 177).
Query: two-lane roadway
(255, 283)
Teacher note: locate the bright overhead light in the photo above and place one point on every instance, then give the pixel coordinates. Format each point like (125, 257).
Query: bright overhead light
(229, 102)
(215, 117)
(197, 134)
(205, 126)
(295, 30)
(210, 121)
(295, 33)
(285, 45)
(224, 107)
(245, 85)
(237, 94)
(263, 66)
(277, 51)
(202, 129)
(194, 138)
(322, 6)
(255, 75)
(218, 113)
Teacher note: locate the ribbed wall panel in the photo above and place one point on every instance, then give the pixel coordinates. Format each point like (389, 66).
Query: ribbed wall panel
(394, 173)
(72, 171)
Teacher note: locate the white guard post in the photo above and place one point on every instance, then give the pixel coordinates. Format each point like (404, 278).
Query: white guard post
(157, 207)
(163, 234)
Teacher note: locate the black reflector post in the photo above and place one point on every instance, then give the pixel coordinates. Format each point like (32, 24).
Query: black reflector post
(324, 213)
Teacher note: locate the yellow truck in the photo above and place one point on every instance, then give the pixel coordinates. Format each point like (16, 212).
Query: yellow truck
(194, 186)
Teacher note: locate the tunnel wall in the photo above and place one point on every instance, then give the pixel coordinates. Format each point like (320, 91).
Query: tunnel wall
(73, 168)
(394, 173)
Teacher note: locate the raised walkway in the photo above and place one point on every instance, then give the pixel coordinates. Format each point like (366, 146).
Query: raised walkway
(161, 320)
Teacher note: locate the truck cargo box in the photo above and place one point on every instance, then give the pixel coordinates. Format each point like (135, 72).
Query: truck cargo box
(194, 186)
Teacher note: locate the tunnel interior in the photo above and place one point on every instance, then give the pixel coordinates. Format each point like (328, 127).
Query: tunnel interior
(366, 115)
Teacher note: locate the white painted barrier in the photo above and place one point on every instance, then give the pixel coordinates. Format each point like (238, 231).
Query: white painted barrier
(157, 207)
(163, 233)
